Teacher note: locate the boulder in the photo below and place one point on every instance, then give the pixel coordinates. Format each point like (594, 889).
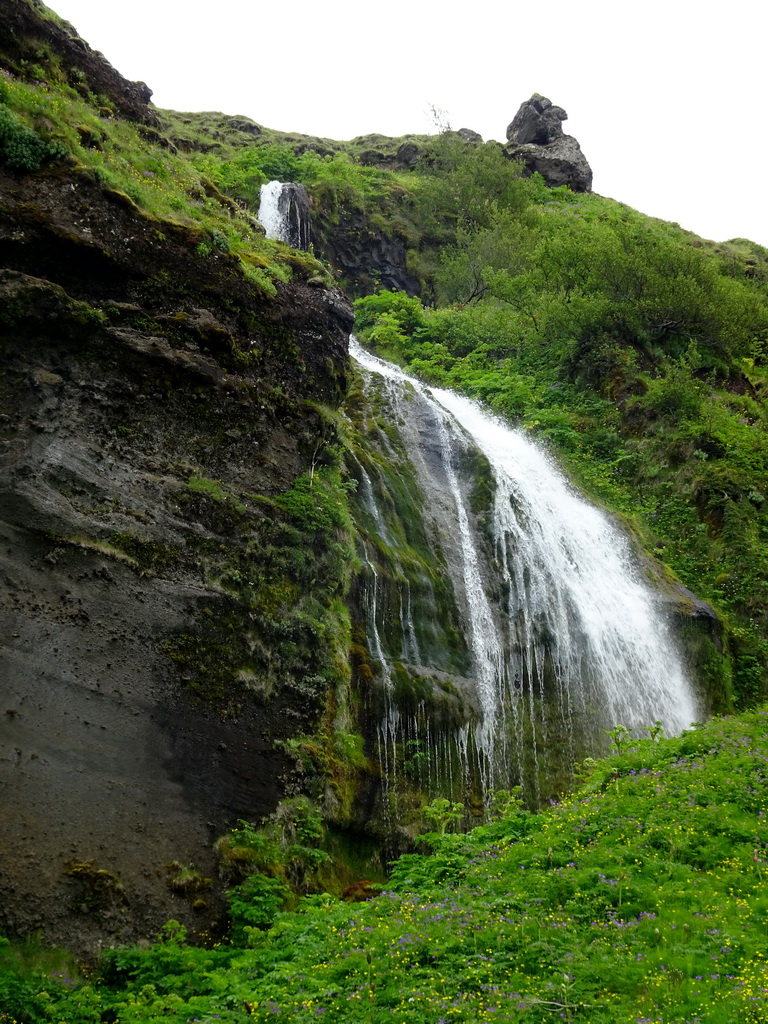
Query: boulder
(536, 138)
(537, 121)
(245, 124)
(405, 158)
(408, 155)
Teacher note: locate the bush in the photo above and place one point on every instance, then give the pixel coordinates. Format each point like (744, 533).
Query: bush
(21, 149)
(256, 902)
(405, 311)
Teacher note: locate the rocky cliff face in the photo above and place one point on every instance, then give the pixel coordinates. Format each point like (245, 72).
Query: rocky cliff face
(536, 137)
(366, 255)
(154, 641)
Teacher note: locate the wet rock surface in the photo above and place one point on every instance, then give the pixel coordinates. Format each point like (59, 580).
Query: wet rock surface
(365, 255)
(295, 207)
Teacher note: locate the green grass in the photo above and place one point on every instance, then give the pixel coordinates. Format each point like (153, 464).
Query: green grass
(52, 126)
(641, 897)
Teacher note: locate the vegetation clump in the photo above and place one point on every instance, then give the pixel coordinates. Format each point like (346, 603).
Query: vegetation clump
(21, 149)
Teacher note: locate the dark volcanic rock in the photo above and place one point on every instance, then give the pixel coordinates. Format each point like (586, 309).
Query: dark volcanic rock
(404, 158)
(537, 121)
(408, 155)
(245, 124)
(395, 155)
(699, 632)
(295, 208)
(536, 138)
(141, 698)
(365, 255)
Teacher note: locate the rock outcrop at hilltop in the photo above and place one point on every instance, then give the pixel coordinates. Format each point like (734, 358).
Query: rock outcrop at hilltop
(536, 137)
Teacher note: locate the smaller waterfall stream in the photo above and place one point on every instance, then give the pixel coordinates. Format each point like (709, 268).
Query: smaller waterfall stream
(284, 213)
(565, 636)
(389, 722)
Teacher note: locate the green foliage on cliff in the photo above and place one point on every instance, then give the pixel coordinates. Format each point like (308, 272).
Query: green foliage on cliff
(46, 120)
(21, 149)
(638, 898)
(286, 570)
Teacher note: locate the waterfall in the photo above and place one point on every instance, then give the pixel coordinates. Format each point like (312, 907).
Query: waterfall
(284, 213)
(565, 636)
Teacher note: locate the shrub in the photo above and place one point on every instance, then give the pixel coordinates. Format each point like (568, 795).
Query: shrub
(256, 902)
(21, 149)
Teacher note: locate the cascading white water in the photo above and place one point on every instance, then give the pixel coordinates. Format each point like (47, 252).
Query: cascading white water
(575, 585)
(411, 650)
(284, 213)
(578, 628)
(270, 217)
(388, 726)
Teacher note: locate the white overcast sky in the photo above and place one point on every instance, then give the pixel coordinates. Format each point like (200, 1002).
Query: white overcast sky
(666, 97)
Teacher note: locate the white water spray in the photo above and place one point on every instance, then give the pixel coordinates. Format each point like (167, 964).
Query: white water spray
(270, 217)
(579, 629)
(284, 213)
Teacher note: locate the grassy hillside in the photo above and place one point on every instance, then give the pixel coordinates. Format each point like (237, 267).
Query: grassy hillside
(48, 124)
(640, 898)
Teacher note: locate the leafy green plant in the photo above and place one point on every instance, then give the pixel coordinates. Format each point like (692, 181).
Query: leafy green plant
(622, 738)
(21, 149)
(442, 813)
(255, 903)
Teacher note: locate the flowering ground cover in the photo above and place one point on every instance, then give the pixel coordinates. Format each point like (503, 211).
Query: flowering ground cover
(640, 898)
